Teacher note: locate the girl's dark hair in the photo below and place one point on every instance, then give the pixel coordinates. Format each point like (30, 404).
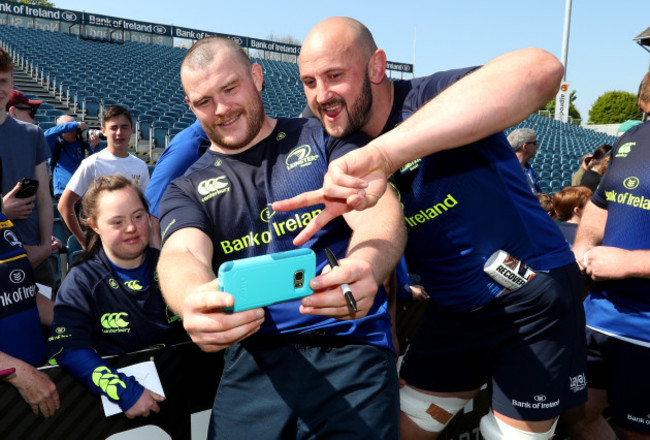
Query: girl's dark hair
(89, 207)
(598, 155)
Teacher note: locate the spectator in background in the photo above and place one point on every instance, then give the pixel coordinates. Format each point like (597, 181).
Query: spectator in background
(625, 126)
(22, 345)
(546, 202)
(68, 149)
(115, 158)
(612, 246)
(596, 167)
(569, 203)
(524, 142)
(22, 108)
(115, 286)
(577, 176)
(24, 154)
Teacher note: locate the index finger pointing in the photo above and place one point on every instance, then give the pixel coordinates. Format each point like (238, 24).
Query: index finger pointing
(303, 200)
(315, 225)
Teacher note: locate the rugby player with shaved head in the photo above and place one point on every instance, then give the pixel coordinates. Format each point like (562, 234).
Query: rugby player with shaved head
(310, 368)
(465, 197)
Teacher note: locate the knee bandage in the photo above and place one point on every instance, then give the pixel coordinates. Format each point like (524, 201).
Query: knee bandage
(430, 413)
(494, 429)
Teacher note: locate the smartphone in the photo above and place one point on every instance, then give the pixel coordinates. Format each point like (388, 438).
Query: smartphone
(28, 188)
(268, 279)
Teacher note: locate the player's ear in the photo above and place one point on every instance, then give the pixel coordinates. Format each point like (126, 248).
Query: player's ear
(377, 66)
(258, 76)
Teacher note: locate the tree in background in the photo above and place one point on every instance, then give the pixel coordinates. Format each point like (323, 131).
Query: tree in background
(614, 108)
(36, 3)
(573, 111)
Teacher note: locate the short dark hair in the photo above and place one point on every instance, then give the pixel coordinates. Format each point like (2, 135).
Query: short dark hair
(5, 61)
(113, 111)
(203, 52)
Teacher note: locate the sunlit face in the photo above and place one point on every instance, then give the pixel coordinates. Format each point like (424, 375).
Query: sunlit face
(532, 147)
(123, 224)
(118, 131)
(6, 84)
(337, 87)
(68, 136)
(225, 97)
(23, 112)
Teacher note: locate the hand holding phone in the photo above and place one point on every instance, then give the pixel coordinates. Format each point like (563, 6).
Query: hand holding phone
(268, 279)
(28, 188)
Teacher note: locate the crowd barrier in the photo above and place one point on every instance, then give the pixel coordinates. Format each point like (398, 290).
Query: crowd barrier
(189, 377)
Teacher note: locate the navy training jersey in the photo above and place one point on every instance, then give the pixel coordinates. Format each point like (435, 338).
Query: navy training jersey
(20, 325)
(229, 197)
(94, 310)
(463, 204)
(622, 307)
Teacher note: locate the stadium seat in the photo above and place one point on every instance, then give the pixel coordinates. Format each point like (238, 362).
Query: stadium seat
(73, 244)
(159, 133)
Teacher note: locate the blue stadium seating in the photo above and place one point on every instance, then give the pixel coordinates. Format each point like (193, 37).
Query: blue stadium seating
(145, 78)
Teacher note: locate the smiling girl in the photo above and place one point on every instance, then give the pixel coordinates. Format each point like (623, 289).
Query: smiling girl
(110, 303)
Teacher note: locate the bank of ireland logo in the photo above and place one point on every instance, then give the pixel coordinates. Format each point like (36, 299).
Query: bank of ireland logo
(300, 157)
(280, 136)
(69, 16)
(214, 185)
(540, 398)
(217, 163)
(59, 330)
(11, 238)
(625, 149)
(159, 29)
(113, 284)
(17, 276)
(112, 321)
(631, 182)
(266, 214)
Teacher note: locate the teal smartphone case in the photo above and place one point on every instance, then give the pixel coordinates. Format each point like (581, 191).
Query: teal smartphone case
(267, 279)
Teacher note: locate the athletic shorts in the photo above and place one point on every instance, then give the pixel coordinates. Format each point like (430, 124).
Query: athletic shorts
(621, 368)
(311, 387)
(528, 345)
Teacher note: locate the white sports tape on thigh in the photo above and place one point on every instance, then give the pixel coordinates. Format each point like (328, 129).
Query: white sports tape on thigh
(431, 413)
(494, 429)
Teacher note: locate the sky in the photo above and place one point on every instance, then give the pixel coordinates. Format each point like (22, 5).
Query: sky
(436, 34)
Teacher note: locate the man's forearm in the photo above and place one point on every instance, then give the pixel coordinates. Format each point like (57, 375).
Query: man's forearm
(498, 95)
(378, 236)
(69, 216)
(181, 272)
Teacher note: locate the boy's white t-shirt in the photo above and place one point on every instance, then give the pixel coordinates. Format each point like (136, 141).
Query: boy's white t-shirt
(105, 163)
